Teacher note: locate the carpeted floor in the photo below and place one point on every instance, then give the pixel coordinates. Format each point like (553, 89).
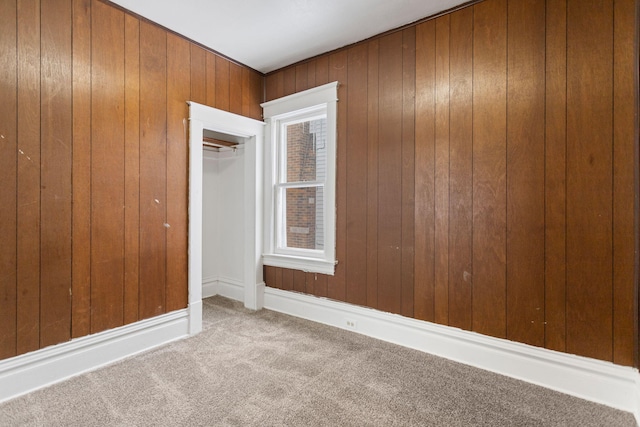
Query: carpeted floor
(268, 369)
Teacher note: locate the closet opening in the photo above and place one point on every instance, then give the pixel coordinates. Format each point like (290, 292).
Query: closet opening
(225, 209)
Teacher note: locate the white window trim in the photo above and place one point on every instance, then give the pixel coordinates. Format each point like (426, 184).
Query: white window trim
(317, 261)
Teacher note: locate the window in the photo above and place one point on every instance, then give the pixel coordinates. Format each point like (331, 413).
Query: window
(300, 172)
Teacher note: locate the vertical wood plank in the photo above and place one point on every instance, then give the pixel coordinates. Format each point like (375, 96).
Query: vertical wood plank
(356, 179)
(555, 175)
(131, 168)
(235, 88)
(408, 168)
(107, 168)
(81, 257)
(489, 168)
(177, 177)
(287, 279)
(311, 73)
(28, 192)
(199, 62)
(336, 284)
(210, 79)
(589, 178)
(269, 273)
(153, 169)
(372, 174)
(319, 284)
(441, 209)
(301, 77)
(390, 167)
(299, 281)
(425, 171)
(56, 162)
(289, 81)
(251, 94)
(222, 83)
(322, 70)
(525, 172)
(274, 86)
(8, 176)
(624, 161)
(460, 168)
(247, 93)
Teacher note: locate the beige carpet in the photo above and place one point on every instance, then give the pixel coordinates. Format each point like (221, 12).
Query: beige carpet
(267, 369)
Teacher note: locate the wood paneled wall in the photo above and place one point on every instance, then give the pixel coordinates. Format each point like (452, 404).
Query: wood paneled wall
(93, 166)
(486, 164)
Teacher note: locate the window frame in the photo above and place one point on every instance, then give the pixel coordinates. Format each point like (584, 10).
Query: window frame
(279, 113)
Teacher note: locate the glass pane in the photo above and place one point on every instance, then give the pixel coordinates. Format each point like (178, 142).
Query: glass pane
(304, 218)
(306, 151)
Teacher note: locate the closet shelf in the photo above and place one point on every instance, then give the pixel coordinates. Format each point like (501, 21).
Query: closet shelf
(217, 143)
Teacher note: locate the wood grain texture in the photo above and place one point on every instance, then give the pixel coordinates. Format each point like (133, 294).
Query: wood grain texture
(81, 191)
(210, 78)
(555, 175)
(222, 84)
(311, 73)
(299, 281)
(390, 167)
(589, 178)
(489, 167)
(9, 178)
(441, 208)
(177, 176)
(56, 161)
(356, 179)
(153, 167)
(107, 168)
(492, 100)
(269, 274)
(287, 279)
(460, 168)
(199, 66)
(408, 168)
(372, 173)
(322, 70)
(338, 72)
(274, 86)
(70, 161)
(235, 88)
(252, 94)
(425, 171)
(625, 159)
(525, 172)
(131, 169)
(28, 173)
(289, 81)
(301, 77)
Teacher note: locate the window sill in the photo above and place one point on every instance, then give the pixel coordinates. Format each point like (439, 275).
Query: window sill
(309, 265)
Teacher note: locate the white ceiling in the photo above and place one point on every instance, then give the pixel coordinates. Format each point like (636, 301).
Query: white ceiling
(270, 34)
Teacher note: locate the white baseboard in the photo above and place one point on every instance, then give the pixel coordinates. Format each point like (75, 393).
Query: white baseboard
(25, 373)
(223, 286)
(209, 287)
(590, 379)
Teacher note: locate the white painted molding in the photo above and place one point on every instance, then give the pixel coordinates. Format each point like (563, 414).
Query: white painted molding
(602, 382)
(203, 117)
(28, 372)
(223, 286)
(209, 287)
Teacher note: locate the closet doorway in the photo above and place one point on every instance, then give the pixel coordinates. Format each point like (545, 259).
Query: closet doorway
(225, 209)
